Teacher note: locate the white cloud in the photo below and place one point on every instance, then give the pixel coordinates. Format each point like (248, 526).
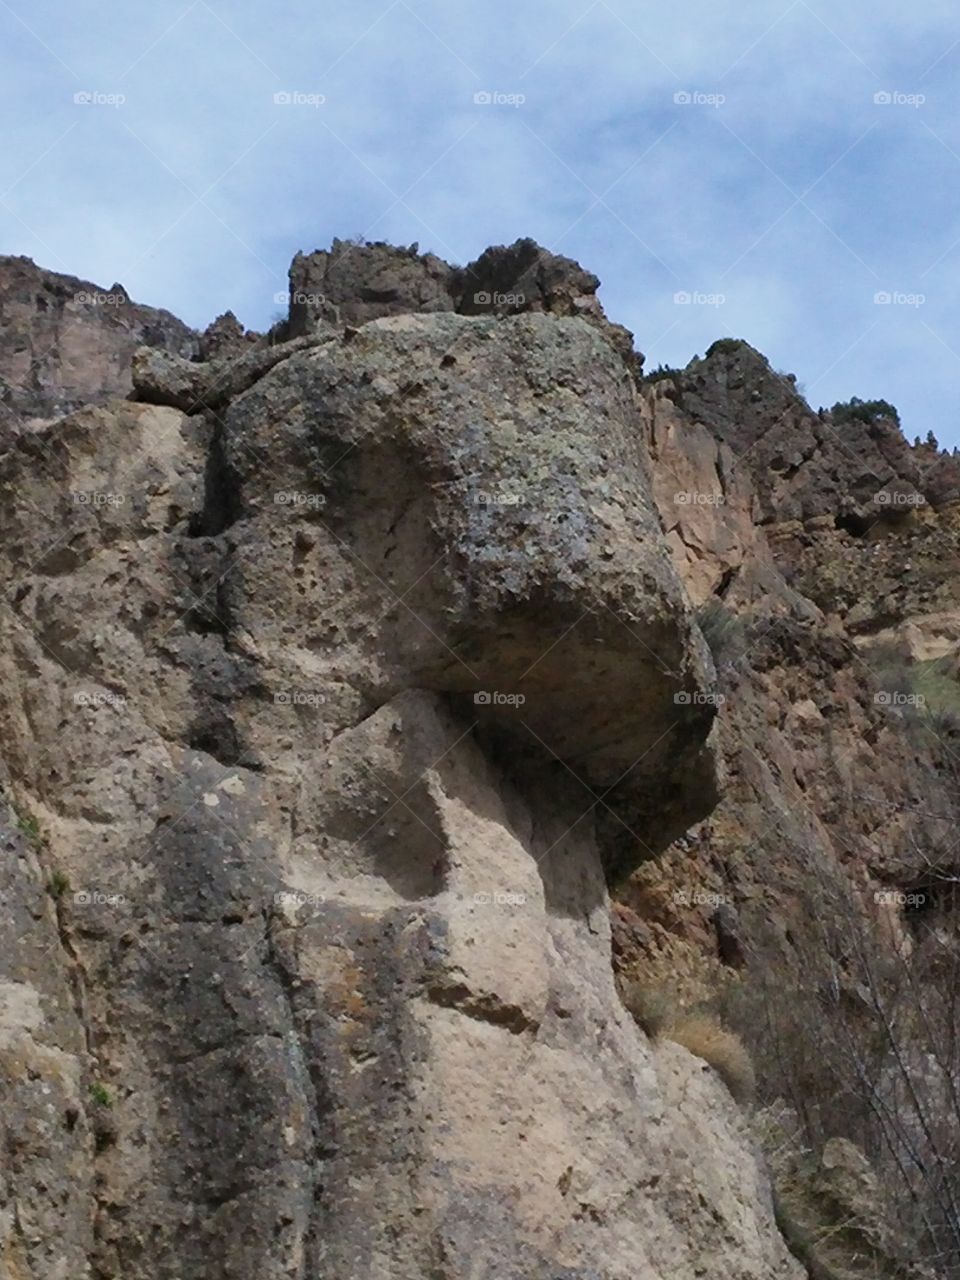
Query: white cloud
(693, 196)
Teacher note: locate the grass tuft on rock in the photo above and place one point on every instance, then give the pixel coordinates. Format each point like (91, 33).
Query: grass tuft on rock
(720, 1049)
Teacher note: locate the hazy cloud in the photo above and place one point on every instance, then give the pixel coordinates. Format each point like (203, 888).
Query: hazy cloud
(792, 169)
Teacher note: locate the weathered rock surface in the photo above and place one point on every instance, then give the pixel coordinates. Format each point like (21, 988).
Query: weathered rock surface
(706, 502)
(341, 677)
(310, 970)
(803, 464)
(65, 343)
(354, 282)
(194, 386)
(839, 808)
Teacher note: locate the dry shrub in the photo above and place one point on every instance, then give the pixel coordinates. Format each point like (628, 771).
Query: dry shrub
(719, 1049)
(657, 1008)
(862, 1040)
(724, 632)
(651, 1005)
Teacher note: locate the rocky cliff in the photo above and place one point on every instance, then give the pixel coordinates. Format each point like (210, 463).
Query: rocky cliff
(346, 671)
(66, 343)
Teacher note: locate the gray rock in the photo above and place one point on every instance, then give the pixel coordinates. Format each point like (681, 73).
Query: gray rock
(340, 965)
(165, 379)
(354, 282)
(65, 343)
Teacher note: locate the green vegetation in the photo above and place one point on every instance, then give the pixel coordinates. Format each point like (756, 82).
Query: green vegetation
(100, 1094)
(662, 371)
(58, 884)
(726, 346)
(868, 411)
(29, 827)
(650, 1005)
(926, 694)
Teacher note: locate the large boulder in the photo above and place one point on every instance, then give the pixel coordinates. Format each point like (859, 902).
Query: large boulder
(536, 547)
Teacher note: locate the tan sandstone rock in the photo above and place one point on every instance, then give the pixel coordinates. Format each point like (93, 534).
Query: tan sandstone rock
(312, 974)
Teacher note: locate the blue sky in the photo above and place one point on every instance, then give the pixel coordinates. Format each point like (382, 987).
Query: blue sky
(736, 154)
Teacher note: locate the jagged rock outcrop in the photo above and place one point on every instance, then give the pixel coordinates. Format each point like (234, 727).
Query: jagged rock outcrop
(833, 847)
(65, 343)
(226, 336)
(524, 276)
(804, 464)
(322, 717)
(355, 282)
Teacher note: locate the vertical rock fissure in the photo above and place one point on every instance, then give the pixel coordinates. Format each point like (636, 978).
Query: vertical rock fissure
(221, 499)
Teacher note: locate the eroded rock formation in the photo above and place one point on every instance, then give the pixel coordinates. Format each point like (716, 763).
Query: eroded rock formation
(309, 706)
(66, 343)
(344, 670)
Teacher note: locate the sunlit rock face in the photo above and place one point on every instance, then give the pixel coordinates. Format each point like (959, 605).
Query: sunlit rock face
(329, 709)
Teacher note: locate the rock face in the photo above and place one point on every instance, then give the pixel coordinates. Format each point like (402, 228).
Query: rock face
(65, 342)
(707, 504)
(343, 675)
(804, 464)
(818, 895)
(354, 282)
(324, 710)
